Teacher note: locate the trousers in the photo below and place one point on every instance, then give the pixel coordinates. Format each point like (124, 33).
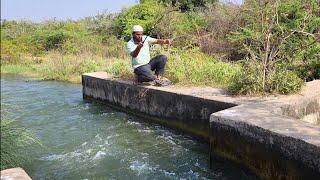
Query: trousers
(145, 73)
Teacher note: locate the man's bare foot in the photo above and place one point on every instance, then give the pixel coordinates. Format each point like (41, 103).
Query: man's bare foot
(163, 82)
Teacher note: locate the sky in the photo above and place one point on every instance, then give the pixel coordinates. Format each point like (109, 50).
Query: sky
(40, 10)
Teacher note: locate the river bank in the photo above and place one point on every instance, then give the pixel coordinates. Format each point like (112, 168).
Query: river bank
(36, 71)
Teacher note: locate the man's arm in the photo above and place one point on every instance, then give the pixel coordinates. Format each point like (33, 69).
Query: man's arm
(140, 45)
(137, 50)
(163, 41)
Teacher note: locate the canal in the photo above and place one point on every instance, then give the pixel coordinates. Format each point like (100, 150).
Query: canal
(88, 140)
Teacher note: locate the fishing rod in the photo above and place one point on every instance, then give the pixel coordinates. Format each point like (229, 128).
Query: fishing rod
(144, 39)
(167, 11)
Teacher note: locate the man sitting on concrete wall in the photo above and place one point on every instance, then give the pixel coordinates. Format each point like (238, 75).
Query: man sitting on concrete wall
(142, 63)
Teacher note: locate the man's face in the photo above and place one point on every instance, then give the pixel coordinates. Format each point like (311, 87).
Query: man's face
(137, 36)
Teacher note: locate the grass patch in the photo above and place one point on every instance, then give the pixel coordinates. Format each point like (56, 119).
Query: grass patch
(23, 69)
(58, 66)
(197, 69)
(185, 68)
(189, 67)
(120, 68)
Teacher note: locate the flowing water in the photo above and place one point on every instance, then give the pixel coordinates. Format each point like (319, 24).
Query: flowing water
(85, 140)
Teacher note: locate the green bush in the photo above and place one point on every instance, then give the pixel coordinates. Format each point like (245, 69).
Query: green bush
(182, 28)
(9, 52)
(120, 68)
(55, 39)
(87, 67)
(250, 81)
(309, 71)
(114, 48)
(48, 40)
(102, 24)
(68, 42)
(81, 43)
(195, 68)
(59, 66)
(12, 49)
(142, 14)
(188, 5)
(284, 82)
(15, 29)
(273, 30)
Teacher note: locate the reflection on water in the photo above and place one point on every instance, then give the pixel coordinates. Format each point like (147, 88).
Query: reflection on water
(91, 141)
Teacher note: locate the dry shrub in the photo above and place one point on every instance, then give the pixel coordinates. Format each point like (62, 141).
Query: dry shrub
(59, 66)
(120, 68)
(170, 23)
(222, 18)
(114, 48)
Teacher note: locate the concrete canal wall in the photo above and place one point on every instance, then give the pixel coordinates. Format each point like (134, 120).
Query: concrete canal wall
(176, 110)
(246, 131)
(272, 146)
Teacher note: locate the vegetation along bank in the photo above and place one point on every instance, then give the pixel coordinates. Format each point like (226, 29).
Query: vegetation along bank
(257, 47)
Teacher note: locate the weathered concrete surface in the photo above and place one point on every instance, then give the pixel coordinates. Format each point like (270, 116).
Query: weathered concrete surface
(272, 146)
(14, 174)
(256, 132)
(304, 106)
(184, 112)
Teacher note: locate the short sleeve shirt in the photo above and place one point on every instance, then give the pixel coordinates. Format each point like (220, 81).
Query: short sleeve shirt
(144, 54)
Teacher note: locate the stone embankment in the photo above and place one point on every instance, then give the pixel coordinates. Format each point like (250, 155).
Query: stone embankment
(275, 137)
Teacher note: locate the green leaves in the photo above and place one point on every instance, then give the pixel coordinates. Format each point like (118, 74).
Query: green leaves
(241, 35)
(48, 40)
(142, 14)
(277, 33)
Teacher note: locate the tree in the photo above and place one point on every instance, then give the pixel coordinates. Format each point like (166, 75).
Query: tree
(187, 5)
(143, 14)
(279, 32)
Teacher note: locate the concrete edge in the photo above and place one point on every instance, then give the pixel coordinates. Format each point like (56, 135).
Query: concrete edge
(14, 174)
(270, 145)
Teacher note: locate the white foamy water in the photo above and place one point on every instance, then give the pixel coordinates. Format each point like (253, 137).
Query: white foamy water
(99, 155)
(139, 167)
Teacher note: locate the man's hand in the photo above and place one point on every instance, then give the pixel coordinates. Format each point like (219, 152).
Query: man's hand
(140, 45)
(137, 50)
(163, 41)
(168, 41)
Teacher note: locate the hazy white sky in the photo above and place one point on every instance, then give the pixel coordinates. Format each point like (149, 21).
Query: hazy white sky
(39, 10)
